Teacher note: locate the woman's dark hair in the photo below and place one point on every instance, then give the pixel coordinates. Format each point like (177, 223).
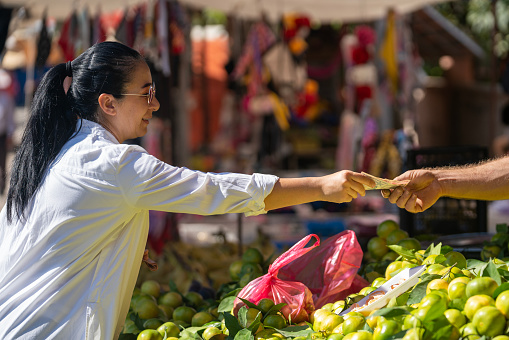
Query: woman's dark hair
(103, 68)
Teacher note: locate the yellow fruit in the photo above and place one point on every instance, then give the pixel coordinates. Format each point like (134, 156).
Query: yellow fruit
(194, 298)
(386, 329)
(377, 247)
(390, 256)
(274, 321)
(457, 290)
(431, 259)
(395, 236)
(184, 313)
(252, 255)
(166, 310)
(476, 302)
(488, 252)
(265, 305)
(391, 268)
(149, 334)
(455, 317)
(416, 333)
(502, 303)
(172, 299)
(434, 268)
(481, 285)
(468, 331)
(353, 324)
(359, 335)
(455, 258)
(410, 243)
(450, 273)
(235, 268)
(386, 227)
(151, 287)
(489, 321)
(212, 333)
(170, 328)
(463, 279)
(437, 284)
(201, 318)
(330, 322)
(152, 323)
(146, 309)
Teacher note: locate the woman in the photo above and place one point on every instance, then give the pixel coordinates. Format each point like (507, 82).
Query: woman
(74, 229)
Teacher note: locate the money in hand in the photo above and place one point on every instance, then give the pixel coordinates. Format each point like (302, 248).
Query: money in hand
(384, 183)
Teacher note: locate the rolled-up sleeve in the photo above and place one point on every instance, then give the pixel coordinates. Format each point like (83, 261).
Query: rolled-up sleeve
(151, 184)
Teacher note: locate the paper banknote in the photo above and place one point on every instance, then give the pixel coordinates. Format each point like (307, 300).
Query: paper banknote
(384, 183)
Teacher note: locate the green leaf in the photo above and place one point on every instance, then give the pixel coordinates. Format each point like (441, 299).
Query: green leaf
(419, 290)
(249, 303)
(137, 320)
(244, 334)
(398, 335)
(476, 266)
(504, 286)
(232, 324)
(173, 287)
(434, 250)
(458, 303)
(188, 335)
(492, 271)
(442, 333)
(274, 309)
(233, 292)
(295, 331)
(445, 249)
(391, 312)
(406, 253)
(367, 328)
(194, 330)
(502, 228)
(226, 304)
(253, 327)
(242, 317)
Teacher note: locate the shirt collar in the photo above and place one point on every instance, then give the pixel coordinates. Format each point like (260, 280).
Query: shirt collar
(89, 127)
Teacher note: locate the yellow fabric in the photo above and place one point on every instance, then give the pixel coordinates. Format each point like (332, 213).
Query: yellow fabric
(388, 51)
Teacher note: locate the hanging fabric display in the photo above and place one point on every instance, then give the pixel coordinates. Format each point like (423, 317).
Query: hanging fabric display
(68, 36)
(43, 44)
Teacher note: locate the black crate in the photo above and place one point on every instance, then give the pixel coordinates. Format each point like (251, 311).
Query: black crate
(448, 215)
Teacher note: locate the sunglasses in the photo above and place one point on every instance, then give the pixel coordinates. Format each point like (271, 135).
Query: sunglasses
(150, 95)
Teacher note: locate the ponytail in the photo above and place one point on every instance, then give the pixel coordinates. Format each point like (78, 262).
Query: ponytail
(106, 67)
(49, 127)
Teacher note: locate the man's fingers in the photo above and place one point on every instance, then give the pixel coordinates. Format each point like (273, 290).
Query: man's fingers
(395, 195)
(403, 199)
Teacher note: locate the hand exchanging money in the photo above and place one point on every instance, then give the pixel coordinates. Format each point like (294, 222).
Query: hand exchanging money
(383, 183)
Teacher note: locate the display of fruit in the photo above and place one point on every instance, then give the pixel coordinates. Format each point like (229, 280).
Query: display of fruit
(454, 298)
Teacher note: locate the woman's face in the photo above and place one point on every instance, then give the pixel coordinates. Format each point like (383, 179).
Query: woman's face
(133, 112)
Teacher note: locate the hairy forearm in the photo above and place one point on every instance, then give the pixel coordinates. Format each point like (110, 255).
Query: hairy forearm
(293, 191)
(486, 181)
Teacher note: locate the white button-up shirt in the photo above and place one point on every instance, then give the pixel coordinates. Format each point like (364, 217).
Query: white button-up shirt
(68, 271)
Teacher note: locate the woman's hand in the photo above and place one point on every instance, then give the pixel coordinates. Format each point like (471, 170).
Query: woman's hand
(344, 186)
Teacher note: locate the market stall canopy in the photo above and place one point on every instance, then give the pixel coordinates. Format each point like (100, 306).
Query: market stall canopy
(319, 10)
(60, 9)
(352, 11)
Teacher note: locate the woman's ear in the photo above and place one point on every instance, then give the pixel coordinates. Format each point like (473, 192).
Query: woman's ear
(107, 103)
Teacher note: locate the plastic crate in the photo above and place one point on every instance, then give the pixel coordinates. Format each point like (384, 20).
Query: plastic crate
(325, 228)
(448, 215)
